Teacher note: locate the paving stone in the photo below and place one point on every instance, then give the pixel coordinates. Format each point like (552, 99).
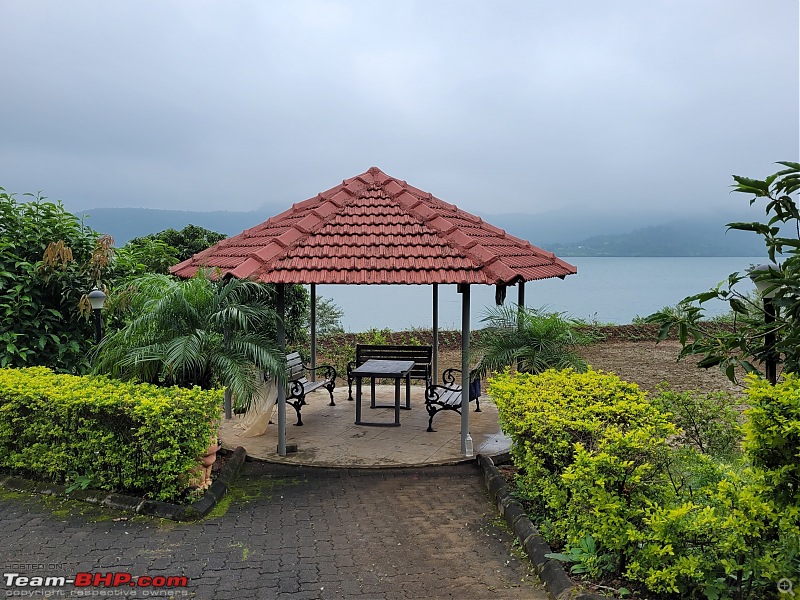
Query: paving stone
(396, 534)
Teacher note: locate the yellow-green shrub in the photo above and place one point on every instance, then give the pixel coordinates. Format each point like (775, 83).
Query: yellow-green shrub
(591, 449)
(549, 414)
(133, 438)
(772, 434)
(731, 541)
(596, 465)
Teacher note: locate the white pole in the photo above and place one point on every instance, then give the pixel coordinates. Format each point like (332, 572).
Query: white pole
(281, 388)
(435, 332)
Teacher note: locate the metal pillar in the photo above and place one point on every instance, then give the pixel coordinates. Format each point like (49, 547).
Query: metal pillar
(281, 386)
(464, 366)
(521, 294)
(313, 331)
(227, 401)
(770, 364)
(435, 332)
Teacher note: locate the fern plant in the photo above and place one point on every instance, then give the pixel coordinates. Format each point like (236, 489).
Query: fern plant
(195, 332)
(532, 339)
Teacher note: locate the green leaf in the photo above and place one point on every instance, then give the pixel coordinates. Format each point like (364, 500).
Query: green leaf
(710, 361)
(560, 556)
(738, 306)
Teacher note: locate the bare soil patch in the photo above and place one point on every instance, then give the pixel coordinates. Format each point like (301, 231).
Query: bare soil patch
(643, 362)
(648, 364)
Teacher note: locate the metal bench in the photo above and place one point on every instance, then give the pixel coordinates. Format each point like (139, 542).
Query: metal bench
(447, 395)
(298, 385)
(421, 355)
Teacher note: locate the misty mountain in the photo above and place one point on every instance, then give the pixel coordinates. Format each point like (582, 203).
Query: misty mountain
(564, 232)
(677, 238)
(126, 223)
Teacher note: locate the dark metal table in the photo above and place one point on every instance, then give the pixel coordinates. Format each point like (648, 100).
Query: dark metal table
(384, 369)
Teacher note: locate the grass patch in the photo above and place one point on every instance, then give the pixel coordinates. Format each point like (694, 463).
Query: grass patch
(245, 490)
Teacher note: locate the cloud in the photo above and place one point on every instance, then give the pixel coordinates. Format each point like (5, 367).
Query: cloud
(498, 107)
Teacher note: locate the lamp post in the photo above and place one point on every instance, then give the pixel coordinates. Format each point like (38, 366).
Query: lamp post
(97, 299)
(767, 292)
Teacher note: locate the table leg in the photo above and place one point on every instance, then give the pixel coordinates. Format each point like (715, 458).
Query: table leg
(408, 391)
(358, 400)
(372, 390)
(397, 401)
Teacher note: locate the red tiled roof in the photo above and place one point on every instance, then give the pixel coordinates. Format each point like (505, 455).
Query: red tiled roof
(375, 229)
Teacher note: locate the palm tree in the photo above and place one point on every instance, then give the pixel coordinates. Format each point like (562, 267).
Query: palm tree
(533, 339)
(195, 332)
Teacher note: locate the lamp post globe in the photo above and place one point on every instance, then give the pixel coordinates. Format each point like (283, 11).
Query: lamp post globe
(767, 292)
(97, 299)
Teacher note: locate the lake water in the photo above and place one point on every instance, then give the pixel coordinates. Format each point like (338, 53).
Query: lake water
(606, 289)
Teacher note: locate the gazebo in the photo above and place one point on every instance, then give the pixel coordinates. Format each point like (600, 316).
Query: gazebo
(373, 229)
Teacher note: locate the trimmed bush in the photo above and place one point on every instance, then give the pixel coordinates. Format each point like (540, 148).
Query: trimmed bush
(772, 434)
(132, 438)
(680, 511)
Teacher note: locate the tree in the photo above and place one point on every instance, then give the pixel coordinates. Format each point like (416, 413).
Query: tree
(147, 255)
(751, 339)
(329, 317)
(188, 241)
(195, 332)
(532, 339)
(48, 262)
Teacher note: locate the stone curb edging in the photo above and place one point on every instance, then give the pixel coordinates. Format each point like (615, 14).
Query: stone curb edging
(549, 570)
(153, 508)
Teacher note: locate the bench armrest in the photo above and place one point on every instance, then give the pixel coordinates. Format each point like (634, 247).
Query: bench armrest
(329, 371)
(449, 377)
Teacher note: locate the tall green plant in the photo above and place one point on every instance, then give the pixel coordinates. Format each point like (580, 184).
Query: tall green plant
(532, 339)
(48, 262)
(195, 332)
(747, 343)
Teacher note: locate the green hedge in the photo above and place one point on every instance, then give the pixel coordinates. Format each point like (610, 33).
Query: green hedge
(132, 438)
(608, 475)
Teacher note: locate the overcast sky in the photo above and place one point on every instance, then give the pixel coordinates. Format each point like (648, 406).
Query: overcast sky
(516, 106)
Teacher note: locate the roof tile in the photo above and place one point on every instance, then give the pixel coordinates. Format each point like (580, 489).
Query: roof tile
(376, 229)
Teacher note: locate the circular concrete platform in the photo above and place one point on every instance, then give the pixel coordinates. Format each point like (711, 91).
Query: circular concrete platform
(329, 436)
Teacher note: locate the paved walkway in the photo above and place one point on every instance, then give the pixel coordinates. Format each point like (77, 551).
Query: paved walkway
(329, 437)
(289, 533)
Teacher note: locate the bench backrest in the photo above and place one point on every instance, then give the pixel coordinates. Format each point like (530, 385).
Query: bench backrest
(294, 367)
(421, 355)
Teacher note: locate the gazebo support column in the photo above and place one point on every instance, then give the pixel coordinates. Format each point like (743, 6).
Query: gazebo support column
(464, 289)
(435, 364)
(227, 402)
(280, 288)
(313, 331)
(521, 294)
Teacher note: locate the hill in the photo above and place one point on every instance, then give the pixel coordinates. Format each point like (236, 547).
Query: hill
(600, 234)
(126, 223)
(678, 238)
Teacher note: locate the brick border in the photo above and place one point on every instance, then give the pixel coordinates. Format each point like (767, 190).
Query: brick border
(549, 570)
(154, 508)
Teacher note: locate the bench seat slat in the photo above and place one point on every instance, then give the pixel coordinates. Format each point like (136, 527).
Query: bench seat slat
(298, 385)
(448, 397)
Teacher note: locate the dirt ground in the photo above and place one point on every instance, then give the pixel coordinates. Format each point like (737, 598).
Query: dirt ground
(643, 362)
(648, 364)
